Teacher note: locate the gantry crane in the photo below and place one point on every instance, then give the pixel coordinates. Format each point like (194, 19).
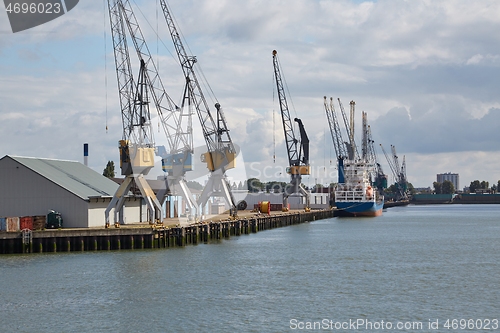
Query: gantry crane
(298, 152)
(380, 180)
(338, 143)
(221, 153)
(401, 179)
(398, 173)
(137, 148)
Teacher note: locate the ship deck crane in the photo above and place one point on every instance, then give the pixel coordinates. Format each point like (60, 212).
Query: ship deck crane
(137, 157)
(298, 152)
(221, 152)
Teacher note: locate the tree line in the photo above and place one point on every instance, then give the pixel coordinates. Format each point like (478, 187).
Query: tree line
(447, 187)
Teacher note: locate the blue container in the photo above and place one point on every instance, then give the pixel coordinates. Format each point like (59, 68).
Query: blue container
(3, 224)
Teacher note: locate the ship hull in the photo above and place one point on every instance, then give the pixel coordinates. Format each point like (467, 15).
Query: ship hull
(354, 209)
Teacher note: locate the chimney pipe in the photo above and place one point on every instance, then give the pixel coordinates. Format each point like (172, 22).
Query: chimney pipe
(86, 154)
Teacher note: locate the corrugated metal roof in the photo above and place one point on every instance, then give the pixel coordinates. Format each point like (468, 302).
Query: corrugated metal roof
(71, 175)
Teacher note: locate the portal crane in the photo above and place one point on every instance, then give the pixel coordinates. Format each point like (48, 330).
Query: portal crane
(403, 173)
(380, 177)
(394, 165)
(401, 179)
(137, 144)
(338, 143)
(298, 152)
(138, 163)
(221, 153)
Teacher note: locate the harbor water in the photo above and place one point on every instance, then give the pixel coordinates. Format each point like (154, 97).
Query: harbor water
(416, 264)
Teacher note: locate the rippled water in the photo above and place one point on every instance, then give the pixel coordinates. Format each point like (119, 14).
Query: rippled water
(413, 264)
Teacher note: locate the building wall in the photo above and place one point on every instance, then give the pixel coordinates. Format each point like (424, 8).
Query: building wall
(295, 201)
(25, 193)
(452, 177)
(320, 200)
(97, 210)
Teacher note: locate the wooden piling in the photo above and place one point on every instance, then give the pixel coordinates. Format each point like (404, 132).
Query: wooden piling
(147, 237)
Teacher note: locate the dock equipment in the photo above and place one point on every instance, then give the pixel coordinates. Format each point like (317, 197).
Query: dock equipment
(221, 152)
(298, 152)
(399, 173)
(338, 143)
(137, 147)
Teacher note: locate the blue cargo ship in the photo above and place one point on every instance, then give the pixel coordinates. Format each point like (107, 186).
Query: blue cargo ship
(354, 194)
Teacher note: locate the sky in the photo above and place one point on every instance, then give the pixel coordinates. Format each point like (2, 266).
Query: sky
(426, 72)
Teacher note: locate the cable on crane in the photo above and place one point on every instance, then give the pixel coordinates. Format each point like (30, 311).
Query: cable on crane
(157, 51)
(199, 70)
(274, 127)
(156, 32)
(105, 64)
(288, 93)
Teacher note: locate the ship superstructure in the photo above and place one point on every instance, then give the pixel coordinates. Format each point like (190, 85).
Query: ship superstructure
(355, 193)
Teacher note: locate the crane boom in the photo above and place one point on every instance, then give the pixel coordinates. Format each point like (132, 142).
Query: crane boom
(338, 142)
(298, 153)
(170, 115)
(391, 163)
(396, 162)
(216, 133)
(290, 140)
(394, 165)
(221, 153)
(380, 177)
(352, 151)
(401, 174)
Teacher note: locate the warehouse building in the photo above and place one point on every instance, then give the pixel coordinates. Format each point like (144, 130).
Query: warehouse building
(35, 186)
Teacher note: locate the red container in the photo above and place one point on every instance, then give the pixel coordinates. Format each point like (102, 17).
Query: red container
(26, 222)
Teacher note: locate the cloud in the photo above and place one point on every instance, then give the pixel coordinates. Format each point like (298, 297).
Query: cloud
(425, 71)
(54, 116)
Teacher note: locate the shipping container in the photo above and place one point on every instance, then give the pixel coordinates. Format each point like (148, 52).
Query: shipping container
(39, 222)
(276, 207)
(12, 224)
(3, 224)
(26, 222)
(273, 207)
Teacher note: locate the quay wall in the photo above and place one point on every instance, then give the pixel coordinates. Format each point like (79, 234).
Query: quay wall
(477, 199)
(155, 237)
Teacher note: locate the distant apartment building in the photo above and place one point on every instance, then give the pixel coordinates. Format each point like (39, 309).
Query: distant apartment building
(452, 177)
